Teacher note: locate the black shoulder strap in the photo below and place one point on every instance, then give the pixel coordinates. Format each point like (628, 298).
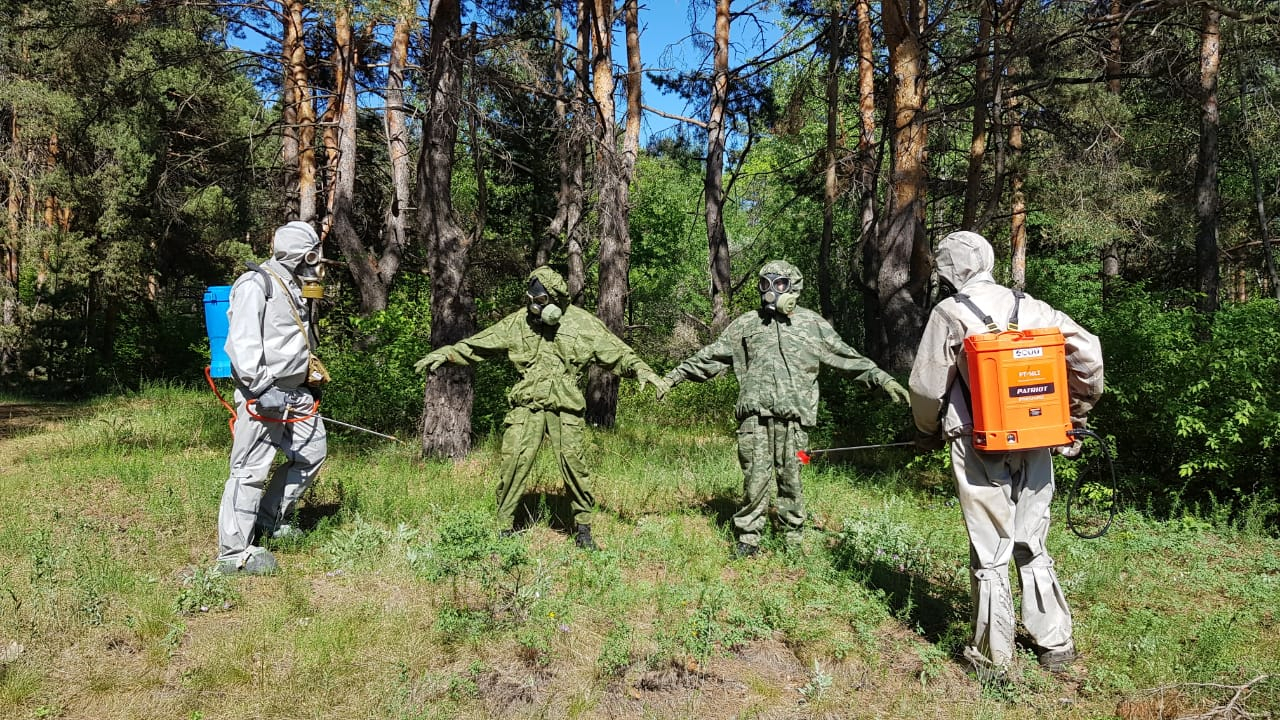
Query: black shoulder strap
(985, 318)
(266, 279)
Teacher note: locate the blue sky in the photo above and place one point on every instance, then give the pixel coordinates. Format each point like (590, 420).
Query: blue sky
(666, 44)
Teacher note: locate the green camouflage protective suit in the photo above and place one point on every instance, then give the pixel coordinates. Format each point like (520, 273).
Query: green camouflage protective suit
(776, 358)
(547, 399)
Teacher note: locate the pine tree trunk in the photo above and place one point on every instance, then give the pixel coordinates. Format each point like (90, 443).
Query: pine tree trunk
(868, 176)
(904, 249)
(360, 262)
(1207, 272)
(446, 415)
(305, 111)
(831, 185)
(978, 137)
(615, 241)
(576, 230)
(11, 260)
(713, 185)
(396, 219)
(1017, 167)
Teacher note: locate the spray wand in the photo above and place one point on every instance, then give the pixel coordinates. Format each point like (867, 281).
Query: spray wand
(806, 455)
(1073, 492)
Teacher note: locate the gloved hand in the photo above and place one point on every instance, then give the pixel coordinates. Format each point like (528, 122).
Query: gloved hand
(896, 392)
(272, 400)
(1072, 451)
(430, 362)
(660, 385)
(930, 442)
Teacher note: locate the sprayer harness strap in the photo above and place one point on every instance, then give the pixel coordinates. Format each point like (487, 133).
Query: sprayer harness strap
(296, 318)
(991, 328)
(262, 271)
(985, 318)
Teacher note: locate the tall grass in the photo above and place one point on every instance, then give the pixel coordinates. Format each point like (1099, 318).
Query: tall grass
(403, 602)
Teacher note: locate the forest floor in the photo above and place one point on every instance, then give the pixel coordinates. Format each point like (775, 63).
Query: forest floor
(402, 602)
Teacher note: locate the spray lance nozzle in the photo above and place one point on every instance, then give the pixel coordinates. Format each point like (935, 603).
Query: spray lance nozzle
(805, 456)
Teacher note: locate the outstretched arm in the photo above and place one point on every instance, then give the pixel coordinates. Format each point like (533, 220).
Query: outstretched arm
(490, 341)
(840, 355)
(708, 362)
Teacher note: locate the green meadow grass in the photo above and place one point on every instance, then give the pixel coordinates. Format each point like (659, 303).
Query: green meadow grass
(402, 602)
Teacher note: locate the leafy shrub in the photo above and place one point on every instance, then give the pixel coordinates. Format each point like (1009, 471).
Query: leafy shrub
(371, 360)
(490, 574)
(205, 590)
(1195, 421)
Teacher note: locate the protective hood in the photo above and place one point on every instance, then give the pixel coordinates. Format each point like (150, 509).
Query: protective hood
(782, 267)
(964, 257)
(554, 284)
(292, 242)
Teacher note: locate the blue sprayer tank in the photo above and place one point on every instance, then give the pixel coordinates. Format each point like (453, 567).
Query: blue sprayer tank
(216, 301)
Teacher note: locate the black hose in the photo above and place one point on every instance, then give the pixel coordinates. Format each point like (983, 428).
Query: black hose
(1115, 490)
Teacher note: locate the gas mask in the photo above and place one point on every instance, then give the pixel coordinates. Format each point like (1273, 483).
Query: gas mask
(541, 307)
(944, 290)
(310, 274)
(776, 294)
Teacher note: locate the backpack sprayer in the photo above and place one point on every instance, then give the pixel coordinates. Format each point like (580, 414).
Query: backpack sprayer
(217, 298)
(1018, 398)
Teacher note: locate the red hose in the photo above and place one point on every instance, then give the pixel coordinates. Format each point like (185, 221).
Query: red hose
(231, 423)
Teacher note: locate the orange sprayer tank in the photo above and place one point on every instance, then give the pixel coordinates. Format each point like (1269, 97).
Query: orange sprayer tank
(1018, 387)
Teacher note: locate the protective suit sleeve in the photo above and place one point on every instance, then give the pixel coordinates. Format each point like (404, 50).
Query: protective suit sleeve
(839, 355)
(244, 346)
(490, 341)
(708, 362)
(611, 353)
(933, 371)
(1084, 365)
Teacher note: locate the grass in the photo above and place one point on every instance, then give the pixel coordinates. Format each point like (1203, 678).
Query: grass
(402, 602)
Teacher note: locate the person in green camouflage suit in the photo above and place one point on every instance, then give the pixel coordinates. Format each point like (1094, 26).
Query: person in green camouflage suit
(549, 342)
(776, 352)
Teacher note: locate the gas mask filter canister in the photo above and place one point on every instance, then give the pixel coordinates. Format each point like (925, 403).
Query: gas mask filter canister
(311, 275)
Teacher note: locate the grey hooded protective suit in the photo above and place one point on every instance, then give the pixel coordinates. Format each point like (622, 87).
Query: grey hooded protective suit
(1004, 496)
(269, 347)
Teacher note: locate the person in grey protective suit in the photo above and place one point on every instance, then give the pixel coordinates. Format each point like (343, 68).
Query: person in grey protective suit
(1004, 496)
(269, 343)
(776, 351)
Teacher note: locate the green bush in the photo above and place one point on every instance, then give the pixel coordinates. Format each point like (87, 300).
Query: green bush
(1195, 421)
(371, 360)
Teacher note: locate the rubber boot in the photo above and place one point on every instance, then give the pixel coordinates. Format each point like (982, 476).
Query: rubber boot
(742, 549)
(583, 538)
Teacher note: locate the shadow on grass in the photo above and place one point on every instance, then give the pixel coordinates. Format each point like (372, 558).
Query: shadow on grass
(722, 508)
(24, 418)
(554, 508)
(939, 612)
(309, 516)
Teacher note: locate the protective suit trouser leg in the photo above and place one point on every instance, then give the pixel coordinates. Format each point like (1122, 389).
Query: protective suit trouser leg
(568, 436)
(1005, 500)
(787, 437)
(251, 456)
(520, 443)
(305, 445)
(765, 444)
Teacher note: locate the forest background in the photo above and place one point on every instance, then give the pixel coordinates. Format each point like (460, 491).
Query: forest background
(1119, 155)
